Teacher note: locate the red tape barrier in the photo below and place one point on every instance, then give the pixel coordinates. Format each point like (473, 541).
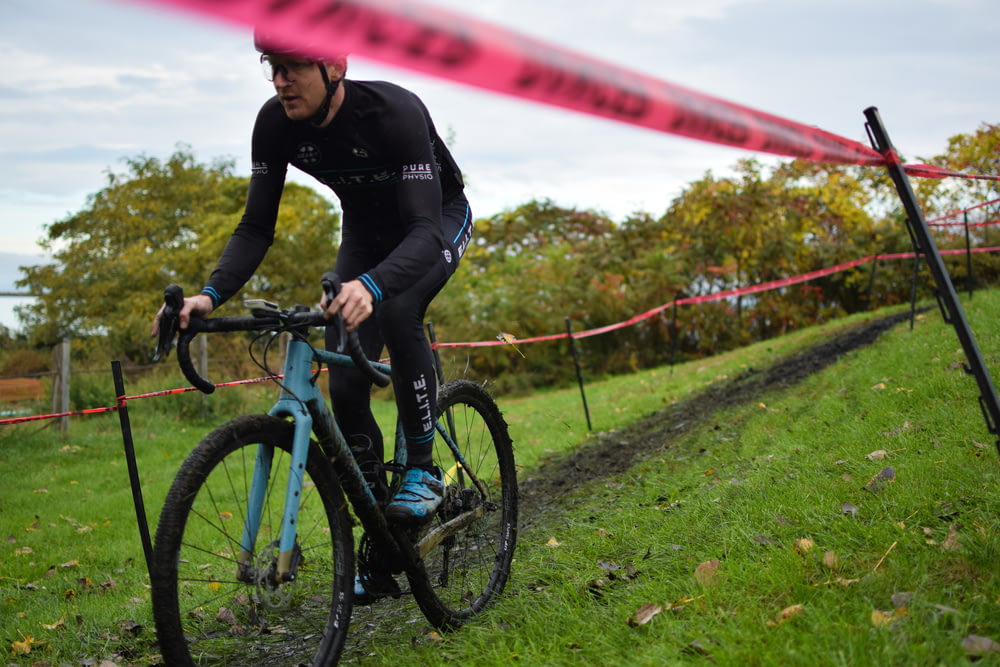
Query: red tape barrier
(706, 298)
(960, 212)
(453, 46)
(930, 171)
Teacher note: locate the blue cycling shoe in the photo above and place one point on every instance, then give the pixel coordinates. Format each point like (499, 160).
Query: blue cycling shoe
(418, 497)
(383, 587)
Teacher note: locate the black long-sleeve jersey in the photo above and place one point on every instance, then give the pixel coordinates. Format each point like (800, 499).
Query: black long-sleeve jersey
(391, 171)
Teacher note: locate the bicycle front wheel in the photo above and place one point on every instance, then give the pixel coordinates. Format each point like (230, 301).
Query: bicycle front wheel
(469, 568)
(217, 602)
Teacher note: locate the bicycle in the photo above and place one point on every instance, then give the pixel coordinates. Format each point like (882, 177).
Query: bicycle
(254, 557)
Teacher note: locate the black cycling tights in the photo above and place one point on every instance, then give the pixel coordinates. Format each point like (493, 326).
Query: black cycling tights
(397, 325)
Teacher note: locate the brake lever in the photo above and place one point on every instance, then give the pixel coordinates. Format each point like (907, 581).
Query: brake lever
(331, 286)
(173, 299)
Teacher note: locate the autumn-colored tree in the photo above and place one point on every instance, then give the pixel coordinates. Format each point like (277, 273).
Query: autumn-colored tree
(163, 222)
(967, 200)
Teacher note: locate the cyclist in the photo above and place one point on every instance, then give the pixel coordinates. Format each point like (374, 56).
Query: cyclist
(406, 223)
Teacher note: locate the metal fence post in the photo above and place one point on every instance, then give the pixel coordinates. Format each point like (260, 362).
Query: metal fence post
(579, 373)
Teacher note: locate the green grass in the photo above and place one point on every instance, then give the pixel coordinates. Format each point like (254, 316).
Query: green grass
(903, 576)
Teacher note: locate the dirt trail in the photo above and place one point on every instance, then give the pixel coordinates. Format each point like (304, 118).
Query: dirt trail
(619, 451)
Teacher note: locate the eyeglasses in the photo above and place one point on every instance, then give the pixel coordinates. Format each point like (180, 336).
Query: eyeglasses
(290, 69)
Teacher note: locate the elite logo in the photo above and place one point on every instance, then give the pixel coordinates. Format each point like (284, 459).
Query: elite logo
(308, 154)
(259, 169)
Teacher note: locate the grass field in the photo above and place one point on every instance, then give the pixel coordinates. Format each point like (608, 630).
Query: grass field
(772, 533)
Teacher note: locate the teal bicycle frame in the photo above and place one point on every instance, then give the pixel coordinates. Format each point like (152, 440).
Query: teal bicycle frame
(302, 402)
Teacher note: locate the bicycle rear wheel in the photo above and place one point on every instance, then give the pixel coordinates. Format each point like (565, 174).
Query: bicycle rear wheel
(210, 609)
(468, 569)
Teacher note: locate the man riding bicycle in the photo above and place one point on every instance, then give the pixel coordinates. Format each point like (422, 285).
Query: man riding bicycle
(406, 223)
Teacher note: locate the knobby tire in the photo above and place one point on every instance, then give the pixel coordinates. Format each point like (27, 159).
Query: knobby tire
(467, 572)
(204, 613)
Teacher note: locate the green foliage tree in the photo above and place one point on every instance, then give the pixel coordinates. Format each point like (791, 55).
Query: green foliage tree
(162, 222)
(975, 153)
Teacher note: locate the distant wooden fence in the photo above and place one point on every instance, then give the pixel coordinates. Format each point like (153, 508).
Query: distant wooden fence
(13, 390)
(18, 389)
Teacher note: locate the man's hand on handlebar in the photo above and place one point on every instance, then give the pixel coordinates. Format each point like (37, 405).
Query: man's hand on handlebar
(353, 302)
(199, 305)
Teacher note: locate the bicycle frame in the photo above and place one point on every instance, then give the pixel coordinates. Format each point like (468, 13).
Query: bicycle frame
(302, 402)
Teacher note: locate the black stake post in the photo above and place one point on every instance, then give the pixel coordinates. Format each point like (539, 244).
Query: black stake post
(133, 469)
(871, 281)
(968, 255)
(913, 282)
(947, 298)
(579, 373)
(673, 334)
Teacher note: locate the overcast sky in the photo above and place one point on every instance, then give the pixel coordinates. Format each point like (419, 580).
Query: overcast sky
(90, 82)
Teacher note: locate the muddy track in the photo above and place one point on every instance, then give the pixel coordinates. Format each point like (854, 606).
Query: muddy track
(618, 451)
(398, 623)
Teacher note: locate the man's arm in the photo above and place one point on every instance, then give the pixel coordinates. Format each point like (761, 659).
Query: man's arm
(255, 232)
(418, 202)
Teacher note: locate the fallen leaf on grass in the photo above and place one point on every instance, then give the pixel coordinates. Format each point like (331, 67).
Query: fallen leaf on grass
(55, 626)
(830, 561)
(705, 573)
(597, 586)
(786, 614)
(803, 545)
(877, 455)
(979, 645)
(644, 614)
(553, 542)
(226, 615)
(880, 618)
(849, 509)
(25, 645)
(951, 542)
(878, 482)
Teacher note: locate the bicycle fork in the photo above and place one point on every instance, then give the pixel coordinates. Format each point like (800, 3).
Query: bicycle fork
(290, 404)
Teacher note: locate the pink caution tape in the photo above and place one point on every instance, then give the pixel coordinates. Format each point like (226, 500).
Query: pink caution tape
(714, 296)
(453, 46)
(962, 212)
(930, 171)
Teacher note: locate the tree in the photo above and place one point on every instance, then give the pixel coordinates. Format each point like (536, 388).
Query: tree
(163, 222)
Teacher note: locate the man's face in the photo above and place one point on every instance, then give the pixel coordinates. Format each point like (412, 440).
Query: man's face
(299, 84)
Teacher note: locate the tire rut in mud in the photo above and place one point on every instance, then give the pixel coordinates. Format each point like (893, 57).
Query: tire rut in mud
(616, 452)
